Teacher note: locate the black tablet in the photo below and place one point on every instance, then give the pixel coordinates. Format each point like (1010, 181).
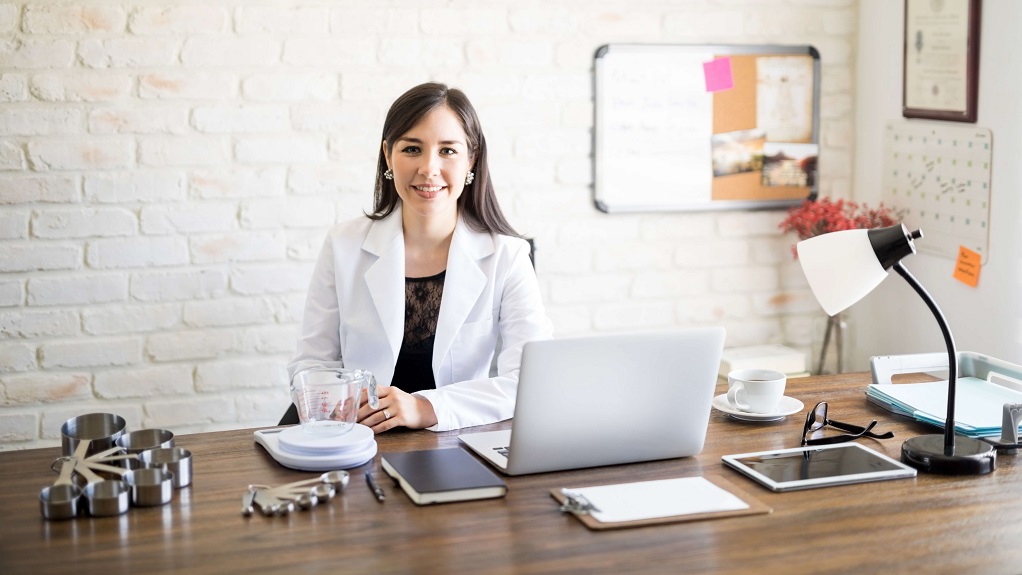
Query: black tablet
(817, 466)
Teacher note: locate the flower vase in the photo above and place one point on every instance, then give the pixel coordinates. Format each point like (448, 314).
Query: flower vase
(830, 341)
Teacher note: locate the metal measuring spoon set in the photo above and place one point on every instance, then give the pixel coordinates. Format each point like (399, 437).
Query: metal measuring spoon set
(110, 470)
(303, 495)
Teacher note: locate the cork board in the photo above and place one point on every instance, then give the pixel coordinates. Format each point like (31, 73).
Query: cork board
(705, 127)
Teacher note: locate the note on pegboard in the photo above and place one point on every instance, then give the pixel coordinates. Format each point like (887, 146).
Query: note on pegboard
(940, 176)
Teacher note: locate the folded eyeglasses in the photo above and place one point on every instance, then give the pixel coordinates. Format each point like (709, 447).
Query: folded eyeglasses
(816, 420)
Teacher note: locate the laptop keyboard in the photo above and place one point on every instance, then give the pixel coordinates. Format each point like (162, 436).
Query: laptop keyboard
(502, 450)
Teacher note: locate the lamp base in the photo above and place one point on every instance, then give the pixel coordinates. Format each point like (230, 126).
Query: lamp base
(970, 457)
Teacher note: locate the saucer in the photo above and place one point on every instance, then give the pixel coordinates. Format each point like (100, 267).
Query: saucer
(786, 407)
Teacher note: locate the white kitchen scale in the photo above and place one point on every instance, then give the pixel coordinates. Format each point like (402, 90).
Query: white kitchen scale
(295, 448)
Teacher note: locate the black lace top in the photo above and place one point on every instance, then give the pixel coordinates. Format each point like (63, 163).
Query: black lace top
(414, 369)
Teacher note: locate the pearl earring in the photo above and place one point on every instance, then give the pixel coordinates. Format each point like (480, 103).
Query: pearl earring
(388, 175)
(469, 178)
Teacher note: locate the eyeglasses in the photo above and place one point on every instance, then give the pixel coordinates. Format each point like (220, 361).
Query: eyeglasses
(816, 420)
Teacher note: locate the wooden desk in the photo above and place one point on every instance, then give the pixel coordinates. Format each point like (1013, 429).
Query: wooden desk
(929, 524)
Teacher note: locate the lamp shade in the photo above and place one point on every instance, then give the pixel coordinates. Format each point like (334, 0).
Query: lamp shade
(843, 267)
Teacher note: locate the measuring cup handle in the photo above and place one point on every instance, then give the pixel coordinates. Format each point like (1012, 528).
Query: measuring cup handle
(374, 398)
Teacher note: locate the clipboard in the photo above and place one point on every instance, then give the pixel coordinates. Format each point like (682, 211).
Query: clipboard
(633, 493)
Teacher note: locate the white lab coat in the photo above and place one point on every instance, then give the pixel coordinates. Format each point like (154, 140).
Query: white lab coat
(354, 312)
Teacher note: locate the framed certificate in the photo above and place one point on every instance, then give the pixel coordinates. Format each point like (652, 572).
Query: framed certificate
(941, 59)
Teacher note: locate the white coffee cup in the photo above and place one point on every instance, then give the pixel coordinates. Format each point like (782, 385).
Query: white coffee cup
(755, 390)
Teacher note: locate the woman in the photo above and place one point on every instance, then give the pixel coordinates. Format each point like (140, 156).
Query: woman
(421, 291)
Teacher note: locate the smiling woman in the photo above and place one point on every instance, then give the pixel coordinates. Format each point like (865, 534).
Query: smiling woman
(421, 291)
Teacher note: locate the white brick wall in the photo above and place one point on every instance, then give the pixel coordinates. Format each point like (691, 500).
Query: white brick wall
(168, 171)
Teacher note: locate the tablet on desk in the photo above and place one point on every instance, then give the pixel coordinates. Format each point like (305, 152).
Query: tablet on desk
(817, 466)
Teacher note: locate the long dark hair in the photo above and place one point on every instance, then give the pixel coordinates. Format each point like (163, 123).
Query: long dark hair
(478, 202)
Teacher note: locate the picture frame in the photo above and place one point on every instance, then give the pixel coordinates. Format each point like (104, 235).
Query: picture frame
(941, 60)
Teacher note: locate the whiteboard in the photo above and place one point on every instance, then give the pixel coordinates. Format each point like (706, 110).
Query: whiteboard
(662, 128)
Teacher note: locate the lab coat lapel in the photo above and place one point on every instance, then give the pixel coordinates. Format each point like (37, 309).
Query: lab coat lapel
(463, 283)
(385, 277)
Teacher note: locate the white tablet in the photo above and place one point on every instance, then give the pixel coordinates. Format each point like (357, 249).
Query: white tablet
(817, 466)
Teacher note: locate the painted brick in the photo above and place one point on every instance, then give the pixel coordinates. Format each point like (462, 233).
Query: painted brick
(136, 252)
(41, 121)
(187, 86)
(233, 52)
(571, 320)
(239, 183)
(77, 289)
(12, 156)
(126, 52)
(270, 279)
(90, 353)
(263, 407)
(231, 375)
(81, 87)
(359, 21)
(137, 186)
(281, 150)
(290, 213)
(288, 309)
(162, 414)
(715, 309)
(13, 87)
(227, 312)
(588, 289)
(290, 87)
(633, 256)
(633, 316)
(239, 246)
(302, 20)
(240, 119)
(194, 217)
(279, 340)
(712, 254)
(83, 223)
(669, 284)
(72, 19)
(31, 54)
(130, 120)
(176, 20)
(330, 53)
(16, 356)
(184, 151)
(400, 52)
(38, 189)
(306, 246)
(27, 257)
(178, 285)
(10, 17)
(33, 324)
(549, 20)
(329, 179)
(14, 224)
(784, 302)
(35, 388)
(145, 382)
(18, 427)
(122, 319)
(12, 292)
(191, 344)
(745, 279)
(66, 154)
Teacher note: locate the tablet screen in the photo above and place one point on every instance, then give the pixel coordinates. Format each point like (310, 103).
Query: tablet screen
(818, 466)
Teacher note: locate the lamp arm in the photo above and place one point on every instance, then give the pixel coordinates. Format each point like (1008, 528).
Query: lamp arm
(952, 356)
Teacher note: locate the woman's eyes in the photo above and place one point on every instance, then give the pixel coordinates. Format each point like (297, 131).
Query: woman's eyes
(417, 150)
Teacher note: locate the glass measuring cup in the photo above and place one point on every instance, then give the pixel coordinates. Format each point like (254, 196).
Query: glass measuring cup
(327, 396)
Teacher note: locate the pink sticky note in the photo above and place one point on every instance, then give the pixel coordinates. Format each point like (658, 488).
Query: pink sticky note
(718, 74)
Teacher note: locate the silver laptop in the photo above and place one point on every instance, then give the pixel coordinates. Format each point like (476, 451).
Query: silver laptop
(608, 399)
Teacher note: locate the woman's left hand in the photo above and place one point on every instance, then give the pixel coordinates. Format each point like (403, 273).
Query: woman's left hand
(396, 409)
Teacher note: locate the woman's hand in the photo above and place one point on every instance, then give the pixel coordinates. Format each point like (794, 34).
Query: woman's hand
(397, 409)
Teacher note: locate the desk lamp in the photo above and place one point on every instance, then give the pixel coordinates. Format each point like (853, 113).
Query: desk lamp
(841, 268)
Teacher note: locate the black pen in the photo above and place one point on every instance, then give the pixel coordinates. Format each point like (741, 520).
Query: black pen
(374, 487)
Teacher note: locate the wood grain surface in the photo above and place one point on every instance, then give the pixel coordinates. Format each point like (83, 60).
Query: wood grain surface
(932, 524)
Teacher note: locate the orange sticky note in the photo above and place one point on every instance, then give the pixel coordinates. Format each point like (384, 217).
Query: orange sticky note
(967, 266)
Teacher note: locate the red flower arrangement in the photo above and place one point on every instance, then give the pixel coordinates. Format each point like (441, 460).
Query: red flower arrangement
(822, 216)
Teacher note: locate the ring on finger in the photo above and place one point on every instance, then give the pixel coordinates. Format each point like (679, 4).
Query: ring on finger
(386, 414)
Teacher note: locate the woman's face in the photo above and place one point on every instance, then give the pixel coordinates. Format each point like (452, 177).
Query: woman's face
(430, 162)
